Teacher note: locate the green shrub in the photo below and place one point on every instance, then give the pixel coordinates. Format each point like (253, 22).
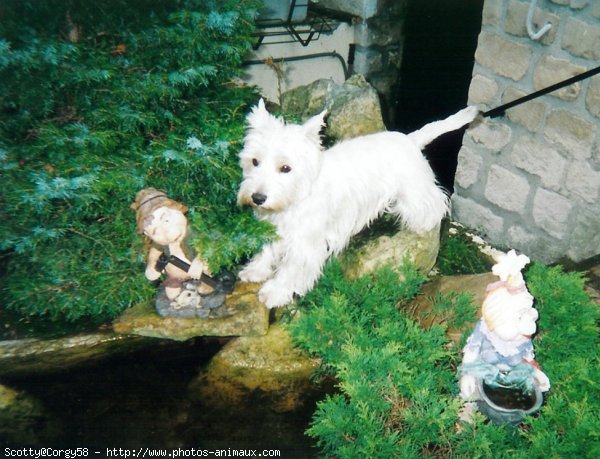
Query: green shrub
(459, 254)
(101, 99)
(398, 390)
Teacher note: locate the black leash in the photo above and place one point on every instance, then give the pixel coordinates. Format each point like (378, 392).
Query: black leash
(498, 111)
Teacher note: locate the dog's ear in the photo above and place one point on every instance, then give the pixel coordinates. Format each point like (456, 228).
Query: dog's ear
(261, 105)
(313, 126)
(259, 117)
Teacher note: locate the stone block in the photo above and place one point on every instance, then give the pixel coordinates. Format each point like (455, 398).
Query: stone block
(468, 169)
(267, 370)
(592, 98)
(550, 70)
(384, 244)
(571, 131)
(384, 31)
(476, 216)
(492, 12)
(516, 21)
(342, 102)
(506, 189)
(538, 247)
(309, 100)
(354, 96)
(360, 8)
(520, 236)
(539, 159)
(595, 11)
(579, 4)
(483, 90)
(493, 135)
(394, 58)
(585, 238)
(505, 57)
(384, 82)
(367, 60)
(551, 212)
(582, 39)
(530, 114)
(583, 181)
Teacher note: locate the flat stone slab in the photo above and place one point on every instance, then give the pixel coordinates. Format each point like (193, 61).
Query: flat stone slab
(473, 284)
(43, 355)
(241, 315)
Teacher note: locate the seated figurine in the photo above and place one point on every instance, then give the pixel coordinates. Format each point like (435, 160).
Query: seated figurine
(499, 353)
(187, 281)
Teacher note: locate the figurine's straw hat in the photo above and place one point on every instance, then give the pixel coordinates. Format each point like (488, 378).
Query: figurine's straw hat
(150, 199)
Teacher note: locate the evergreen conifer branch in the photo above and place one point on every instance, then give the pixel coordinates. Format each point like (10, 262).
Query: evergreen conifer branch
(397, 385)
(97, 101)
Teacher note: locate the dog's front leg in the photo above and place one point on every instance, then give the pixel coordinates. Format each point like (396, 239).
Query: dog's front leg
(262, 265)
(299, 270)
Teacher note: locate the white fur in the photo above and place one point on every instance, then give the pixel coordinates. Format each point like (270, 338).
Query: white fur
(326, 197)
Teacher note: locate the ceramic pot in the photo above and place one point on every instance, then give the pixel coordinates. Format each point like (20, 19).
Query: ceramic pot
(508, 405)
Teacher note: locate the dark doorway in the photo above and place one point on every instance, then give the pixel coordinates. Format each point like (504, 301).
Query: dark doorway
(437, 64)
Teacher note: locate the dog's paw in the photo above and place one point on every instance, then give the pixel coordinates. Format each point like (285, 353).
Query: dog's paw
(274, 295)
(254, 273)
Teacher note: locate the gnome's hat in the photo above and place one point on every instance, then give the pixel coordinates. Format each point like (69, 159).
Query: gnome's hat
(150, 199)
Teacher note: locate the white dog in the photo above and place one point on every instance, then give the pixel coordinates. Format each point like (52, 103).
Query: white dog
(319, 199)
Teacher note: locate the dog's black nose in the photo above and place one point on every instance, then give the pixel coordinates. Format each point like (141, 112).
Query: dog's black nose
(259, 198)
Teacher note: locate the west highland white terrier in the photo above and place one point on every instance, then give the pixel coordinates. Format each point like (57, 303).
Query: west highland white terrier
(318, 199)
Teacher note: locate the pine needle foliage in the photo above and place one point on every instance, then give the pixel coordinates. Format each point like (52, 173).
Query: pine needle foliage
(459, 254)
(398, 390)
(101, 99)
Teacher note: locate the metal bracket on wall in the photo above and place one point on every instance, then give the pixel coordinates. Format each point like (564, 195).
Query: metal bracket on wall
(298, 25)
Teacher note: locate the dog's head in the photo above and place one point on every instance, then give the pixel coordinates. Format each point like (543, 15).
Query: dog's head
(279, 161)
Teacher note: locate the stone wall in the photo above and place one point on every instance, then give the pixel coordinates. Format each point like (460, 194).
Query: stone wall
(378, 40)
(530, 180)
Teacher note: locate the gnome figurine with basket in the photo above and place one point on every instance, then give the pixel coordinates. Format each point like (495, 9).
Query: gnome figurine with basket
(188, 290)
(498, 370)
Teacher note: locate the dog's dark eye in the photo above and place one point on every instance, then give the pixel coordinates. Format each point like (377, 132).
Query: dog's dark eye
(255, 162)
(285, 169)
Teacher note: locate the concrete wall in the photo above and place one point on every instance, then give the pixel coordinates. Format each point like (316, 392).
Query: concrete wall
(283, 73)
(376, 31)
(530, 180)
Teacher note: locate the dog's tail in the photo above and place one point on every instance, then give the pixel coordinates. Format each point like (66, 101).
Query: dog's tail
(432, 131)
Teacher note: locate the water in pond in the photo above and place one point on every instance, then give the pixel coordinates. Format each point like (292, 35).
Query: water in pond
(509, 398)
(143, 400)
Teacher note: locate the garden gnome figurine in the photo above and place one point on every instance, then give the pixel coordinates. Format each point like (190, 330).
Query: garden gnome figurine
(164, 222)
(499, 353)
